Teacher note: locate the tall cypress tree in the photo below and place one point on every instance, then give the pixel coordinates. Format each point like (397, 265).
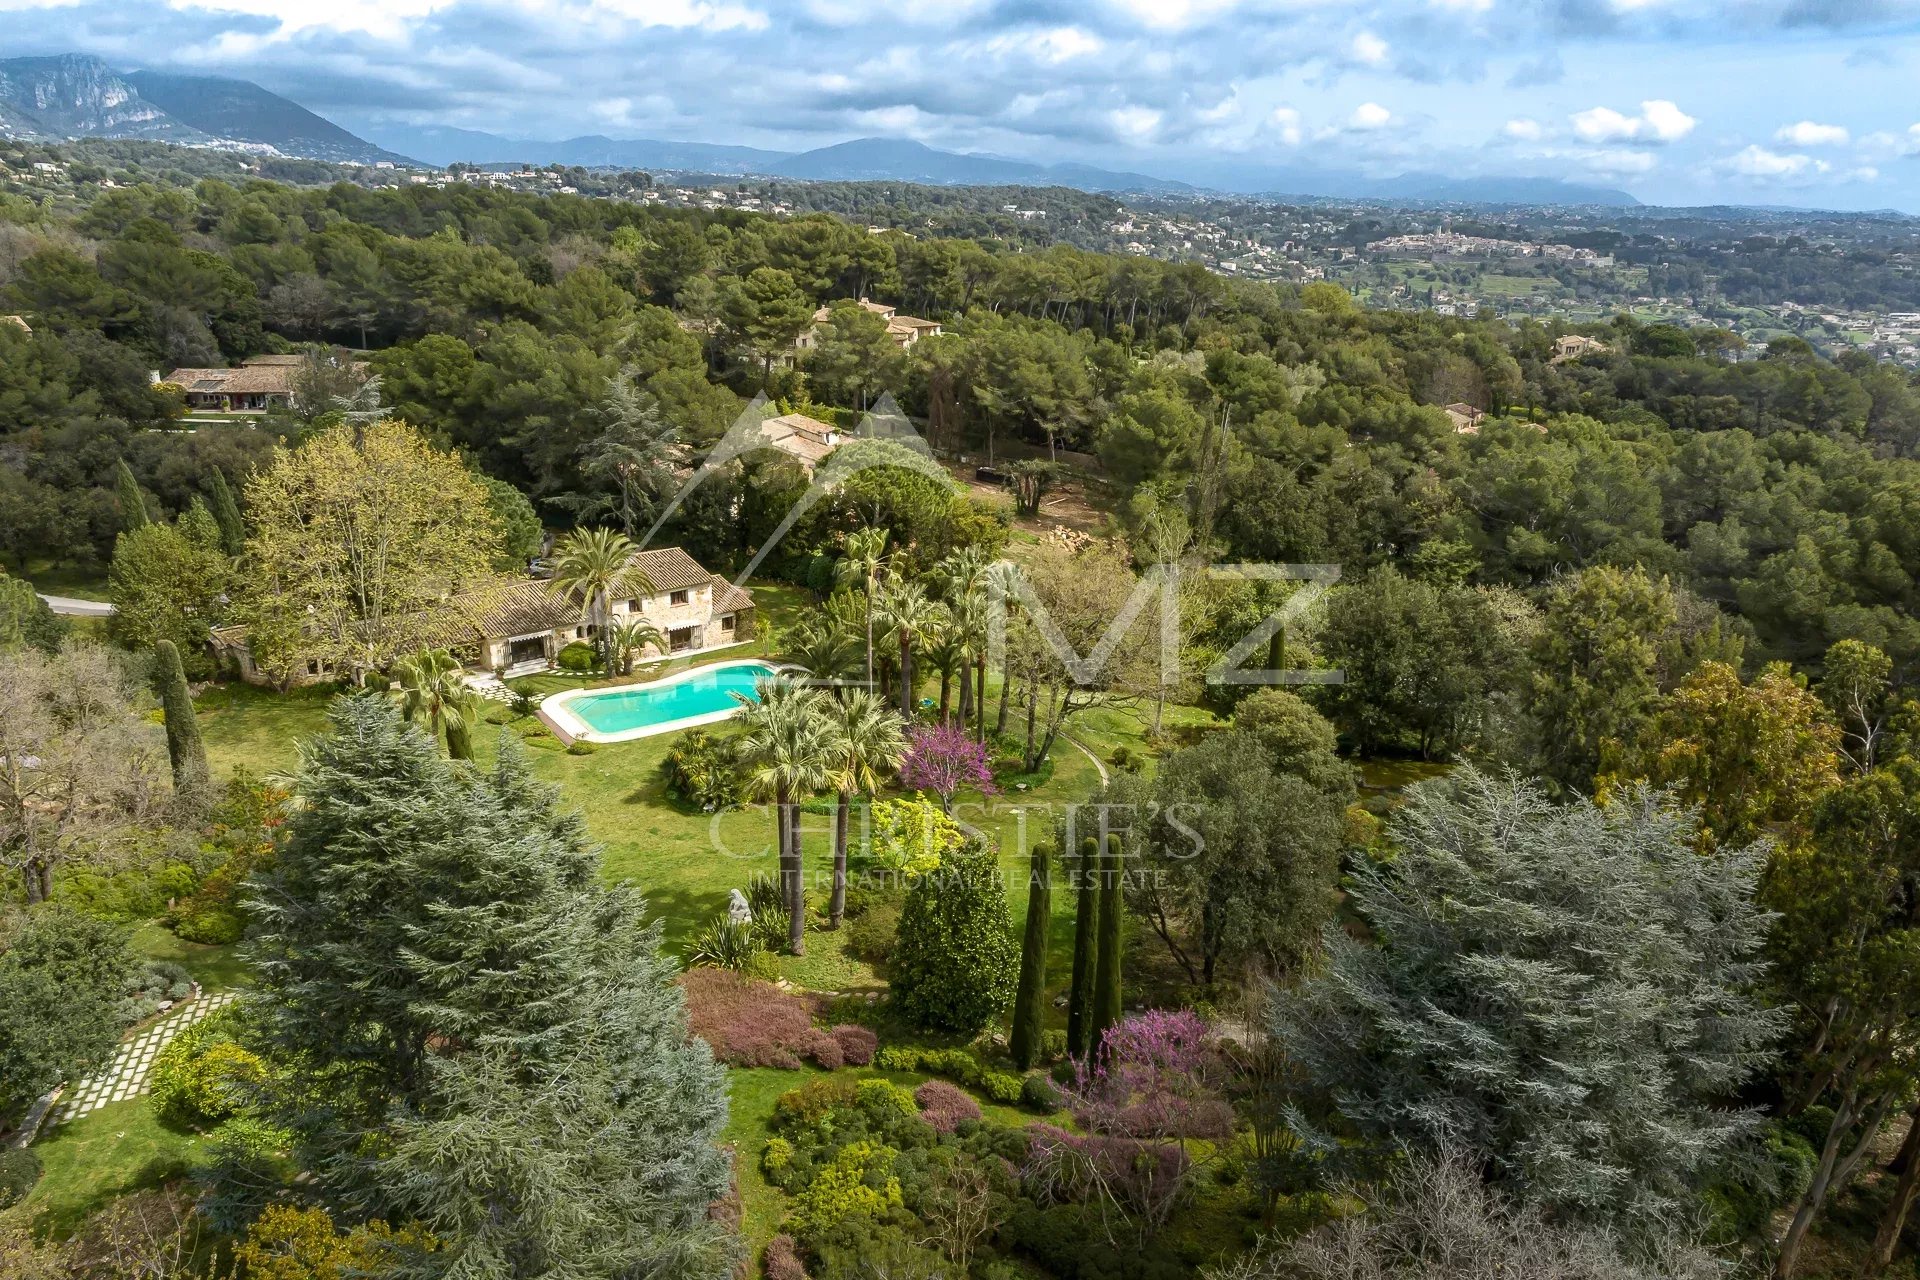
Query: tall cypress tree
(479, 1035)
(226, 513)
(126, 491)
(1106, 980)
(1085, 940)
(185, 752)
(1029, 1004)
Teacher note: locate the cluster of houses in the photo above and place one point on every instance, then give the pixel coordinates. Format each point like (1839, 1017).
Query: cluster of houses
(518, 626)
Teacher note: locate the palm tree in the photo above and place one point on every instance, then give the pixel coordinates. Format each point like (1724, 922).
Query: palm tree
(911, 619)
(866, 561)
(624, 639)
(587, 564)
(827, 648)
(867, 741)
(1003, 580)
(787, 749)
(963, 579)
(434, 694)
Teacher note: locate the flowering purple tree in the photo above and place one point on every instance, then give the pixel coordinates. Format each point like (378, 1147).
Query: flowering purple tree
(1151, 1106)
(942, 758)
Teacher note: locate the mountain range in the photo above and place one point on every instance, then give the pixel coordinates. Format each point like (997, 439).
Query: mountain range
(79, 96)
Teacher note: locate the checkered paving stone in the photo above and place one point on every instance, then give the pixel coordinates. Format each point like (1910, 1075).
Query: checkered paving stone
(127, 1077)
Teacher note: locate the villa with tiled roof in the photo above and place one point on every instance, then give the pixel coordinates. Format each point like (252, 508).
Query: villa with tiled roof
(519, 625)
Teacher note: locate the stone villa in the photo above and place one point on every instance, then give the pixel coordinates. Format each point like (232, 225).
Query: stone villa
(518, 626)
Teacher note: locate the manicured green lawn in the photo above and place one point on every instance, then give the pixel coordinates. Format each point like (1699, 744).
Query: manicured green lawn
(118, 1149)
(214, 968)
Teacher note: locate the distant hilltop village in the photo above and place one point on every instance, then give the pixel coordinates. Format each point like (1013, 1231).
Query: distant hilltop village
(1453, 244)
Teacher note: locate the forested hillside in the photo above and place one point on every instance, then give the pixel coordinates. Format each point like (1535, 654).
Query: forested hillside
(1779, 490)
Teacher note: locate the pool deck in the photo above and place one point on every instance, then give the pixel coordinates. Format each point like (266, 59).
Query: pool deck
(559, 717)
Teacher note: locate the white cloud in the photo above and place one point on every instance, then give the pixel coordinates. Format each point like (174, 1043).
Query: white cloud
(1134, 123)
(1172, 15)
(1369, 49)
(1521, 129)
(1053, 46)
(1756, 161)
(1808, 134)
(1284, 124)
(1659, 121)
(1464, 6)
(1369, 115)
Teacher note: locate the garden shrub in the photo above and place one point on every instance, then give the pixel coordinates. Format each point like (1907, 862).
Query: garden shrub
(857, 1044)
(19, 1171)
(954, 965)
(873, 935)
(1003, 1087)
(581, 747)
(781, 1261)
(884, 1101)
(825, 1052)
(747, 1022)
(699, 770)
(152, 984)
(776, 1157)
(204, 1077)
(576, 657)
(768, 903)
(912, 836)
(1037, 1093)
(300, 1242)
(724, 943)
(803, 1108)
(858, 1183)
(945, 1106)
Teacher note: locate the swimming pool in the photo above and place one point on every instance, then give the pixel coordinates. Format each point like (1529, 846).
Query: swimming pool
(703, 695)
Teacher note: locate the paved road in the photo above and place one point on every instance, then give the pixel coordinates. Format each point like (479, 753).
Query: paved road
(78, 608)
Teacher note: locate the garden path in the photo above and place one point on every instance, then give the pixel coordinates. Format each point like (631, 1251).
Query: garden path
(127, 1077)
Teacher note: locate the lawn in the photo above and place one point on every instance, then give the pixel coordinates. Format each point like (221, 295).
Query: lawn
(118, 1149)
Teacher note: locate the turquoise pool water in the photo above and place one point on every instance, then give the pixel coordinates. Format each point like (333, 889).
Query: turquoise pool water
(700, 694)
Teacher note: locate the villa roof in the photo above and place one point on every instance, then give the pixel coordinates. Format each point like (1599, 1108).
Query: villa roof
(667, 569)
(728, 598)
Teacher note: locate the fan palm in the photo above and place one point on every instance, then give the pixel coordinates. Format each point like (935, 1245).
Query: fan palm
(586, 564)
(911, 619)
(434, 694)
(867, 741)
(827, 648)
(866, 561)
(624, 639)
(787, 753)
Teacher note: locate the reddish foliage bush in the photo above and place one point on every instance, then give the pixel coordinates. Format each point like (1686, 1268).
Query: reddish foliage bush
(825, 1051)
(857, 1044)
(748, 1023)
(944, 1106)
(782, 1260)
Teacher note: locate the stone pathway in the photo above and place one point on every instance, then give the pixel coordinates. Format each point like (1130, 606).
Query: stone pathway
(127, 1077)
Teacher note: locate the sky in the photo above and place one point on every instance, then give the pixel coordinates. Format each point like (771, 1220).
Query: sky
(1780, 102)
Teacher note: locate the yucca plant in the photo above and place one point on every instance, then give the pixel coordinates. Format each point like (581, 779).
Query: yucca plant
(725, 943)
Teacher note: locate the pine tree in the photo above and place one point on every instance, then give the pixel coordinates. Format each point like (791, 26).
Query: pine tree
(126, 491)
(1106, 978)
(1080, 990)
(226, 512)
(1029, 1004)
(185, 751)
(480, 1036)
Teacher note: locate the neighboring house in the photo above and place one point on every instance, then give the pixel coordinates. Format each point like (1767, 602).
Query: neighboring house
(1575, 345)
(806, 440)
(256, 384)
(904, 330)
(1465, 418)
(518, 626)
